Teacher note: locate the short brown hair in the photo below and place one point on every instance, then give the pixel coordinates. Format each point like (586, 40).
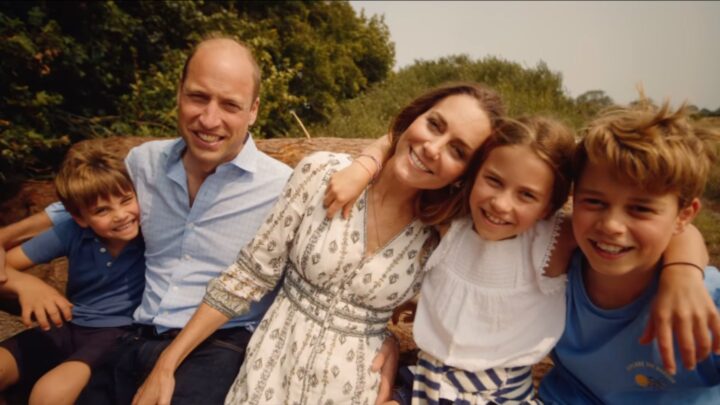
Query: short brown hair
(656, 149)
(89, 173)
(436, 206)
(551, 140)
(257, 73)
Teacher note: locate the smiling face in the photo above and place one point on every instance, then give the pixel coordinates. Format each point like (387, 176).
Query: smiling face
(114, 219)
(511, 192)
(621, 228)
(437, 147)
(216, 104)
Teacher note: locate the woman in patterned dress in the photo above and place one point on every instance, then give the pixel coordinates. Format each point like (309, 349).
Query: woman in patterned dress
(340, 278)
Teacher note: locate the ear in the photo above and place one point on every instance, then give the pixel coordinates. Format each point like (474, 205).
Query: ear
(254, 110)
(80, 221)
(686, 215)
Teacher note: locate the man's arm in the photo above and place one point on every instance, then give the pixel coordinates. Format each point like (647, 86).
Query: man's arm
(18, 232)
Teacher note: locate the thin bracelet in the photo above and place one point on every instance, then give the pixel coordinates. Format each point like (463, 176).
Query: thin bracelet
(378, 165)
(702, 271)
(367, 169)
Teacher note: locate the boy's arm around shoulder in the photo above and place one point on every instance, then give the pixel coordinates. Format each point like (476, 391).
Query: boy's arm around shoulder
(683, 307)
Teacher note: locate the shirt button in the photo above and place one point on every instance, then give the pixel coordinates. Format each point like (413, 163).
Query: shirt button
(108, 264)
(187, 257)
(190, 226)
(175, 288)
(103, 250)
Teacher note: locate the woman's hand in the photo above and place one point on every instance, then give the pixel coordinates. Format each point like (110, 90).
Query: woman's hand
(386, 363)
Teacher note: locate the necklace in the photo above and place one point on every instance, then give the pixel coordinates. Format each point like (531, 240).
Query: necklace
(376, 223)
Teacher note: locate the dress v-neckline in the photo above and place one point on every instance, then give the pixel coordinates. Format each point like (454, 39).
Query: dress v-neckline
(367, 256)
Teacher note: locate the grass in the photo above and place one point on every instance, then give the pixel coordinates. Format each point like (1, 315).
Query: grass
(708, 222)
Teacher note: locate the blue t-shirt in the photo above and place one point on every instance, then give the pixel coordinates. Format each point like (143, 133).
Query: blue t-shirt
(599, 359)
(104, 290)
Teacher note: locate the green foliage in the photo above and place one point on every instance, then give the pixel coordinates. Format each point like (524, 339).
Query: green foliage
(78, 70)
(526, 90)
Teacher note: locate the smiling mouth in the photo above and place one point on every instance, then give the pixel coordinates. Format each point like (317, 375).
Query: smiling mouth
(418, 163)
(493, 219)
(609, 248)
(125, 227)
(207, 138)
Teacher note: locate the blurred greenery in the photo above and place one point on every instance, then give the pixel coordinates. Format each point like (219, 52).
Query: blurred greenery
(525, 90)
(87, 69)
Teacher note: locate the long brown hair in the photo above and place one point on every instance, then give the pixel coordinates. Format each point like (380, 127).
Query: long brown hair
(436, 206)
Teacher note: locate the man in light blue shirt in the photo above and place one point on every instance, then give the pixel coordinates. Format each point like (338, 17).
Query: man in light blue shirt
(202, 197)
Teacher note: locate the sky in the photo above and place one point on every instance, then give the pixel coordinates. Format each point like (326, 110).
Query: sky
(673, 48)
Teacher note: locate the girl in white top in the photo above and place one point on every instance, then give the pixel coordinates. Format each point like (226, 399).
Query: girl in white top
(487, 311)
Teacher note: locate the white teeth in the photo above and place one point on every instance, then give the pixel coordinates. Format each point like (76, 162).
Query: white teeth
(208, 138)
(416, 161)
(609, 248)
(123, 227)
(495, 220)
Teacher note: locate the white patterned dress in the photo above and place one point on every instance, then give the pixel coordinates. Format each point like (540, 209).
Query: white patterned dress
(316, 343)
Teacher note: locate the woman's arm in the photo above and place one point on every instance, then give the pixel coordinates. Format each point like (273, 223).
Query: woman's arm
(346, 185)
(682, 306)
(160, 383)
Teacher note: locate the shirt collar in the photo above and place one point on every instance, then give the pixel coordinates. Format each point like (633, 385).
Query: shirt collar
(246, 160)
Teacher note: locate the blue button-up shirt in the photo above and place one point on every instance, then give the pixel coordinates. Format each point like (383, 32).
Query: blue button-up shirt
(186, 246)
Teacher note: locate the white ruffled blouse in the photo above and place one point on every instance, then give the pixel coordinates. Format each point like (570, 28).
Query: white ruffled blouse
(486, 304)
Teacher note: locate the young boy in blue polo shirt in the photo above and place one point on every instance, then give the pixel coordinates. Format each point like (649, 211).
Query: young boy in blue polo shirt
(639, 174)
(105, 279)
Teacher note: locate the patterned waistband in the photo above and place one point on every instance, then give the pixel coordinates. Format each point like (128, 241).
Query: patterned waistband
(330, 309)
(501, 385)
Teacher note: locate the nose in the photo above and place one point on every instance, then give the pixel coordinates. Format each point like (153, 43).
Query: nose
(501, 203)
(432, 148)
(119, 215)
(611, 223)
(210, 116)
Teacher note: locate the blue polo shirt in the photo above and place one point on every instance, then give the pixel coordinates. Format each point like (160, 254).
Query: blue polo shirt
(104, 290)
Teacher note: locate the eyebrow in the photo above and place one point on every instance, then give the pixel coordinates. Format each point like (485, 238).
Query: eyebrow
(443, 121)
(192, 92)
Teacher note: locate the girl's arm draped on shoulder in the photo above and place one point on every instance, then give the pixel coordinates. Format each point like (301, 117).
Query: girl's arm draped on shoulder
(682, 306)
(347, 185)
(565, 244)
(160, 383)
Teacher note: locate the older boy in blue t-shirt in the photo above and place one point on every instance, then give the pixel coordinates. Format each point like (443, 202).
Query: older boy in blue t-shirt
(639, 175)
(105, 280)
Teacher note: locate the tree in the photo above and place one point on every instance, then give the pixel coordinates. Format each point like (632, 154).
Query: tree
(592, 102)
(84, 69)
